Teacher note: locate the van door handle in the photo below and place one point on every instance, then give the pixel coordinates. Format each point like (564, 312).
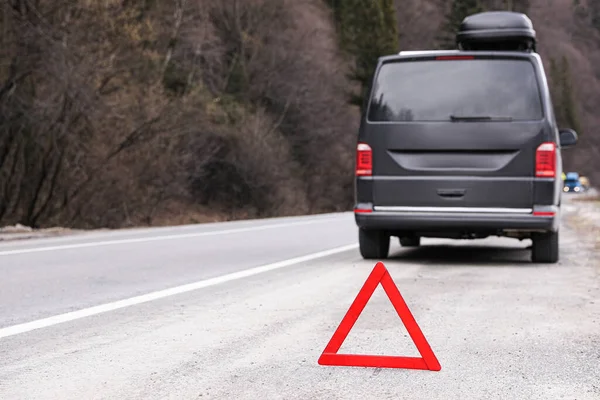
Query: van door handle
(451, 193)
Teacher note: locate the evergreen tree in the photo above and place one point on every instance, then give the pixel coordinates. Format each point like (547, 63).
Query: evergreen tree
(367, 30)
(459, 10)
(556, 93)
(593, 10)
(563, 96)
(569, 104)
(390, 23)
(521, 6)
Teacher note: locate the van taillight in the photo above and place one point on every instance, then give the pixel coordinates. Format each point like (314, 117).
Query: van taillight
(364, 160)
(545, 160)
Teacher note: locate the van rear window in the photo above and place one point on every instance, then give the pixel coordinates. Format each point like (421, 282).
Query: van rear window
(435, 90)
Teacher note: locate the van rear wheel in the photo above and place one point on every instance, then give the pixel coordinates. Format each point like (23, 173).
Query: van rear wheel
(545, 248)
(373, 243)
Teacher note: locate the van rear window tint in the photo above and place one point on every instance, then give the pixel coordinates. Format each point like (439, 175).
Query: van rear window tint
(434, 90)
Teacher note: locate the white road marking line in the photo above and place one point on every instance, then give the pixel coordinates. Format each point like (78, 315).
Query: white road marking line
(157, 238)
(161, 294)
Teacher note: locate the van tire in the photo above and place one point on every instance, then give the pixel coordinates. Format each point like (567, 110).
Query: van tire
(410, 241)
(545, 248)
(374, 244)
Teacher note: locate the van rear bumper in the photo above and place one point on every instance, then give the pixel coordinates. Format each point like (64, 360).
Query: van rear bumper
(544, 218)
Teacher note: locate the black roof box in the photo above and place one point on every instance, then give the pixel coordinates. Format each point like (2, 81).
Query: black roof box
(497, 30)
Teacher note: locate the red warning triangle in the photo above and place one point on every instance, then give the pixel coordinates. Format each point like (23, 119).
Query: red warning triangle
(330, 355)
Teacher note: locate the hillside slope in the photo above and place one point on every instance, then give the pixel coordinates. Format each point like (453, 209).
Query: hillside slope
(564, 31)
(121, 113)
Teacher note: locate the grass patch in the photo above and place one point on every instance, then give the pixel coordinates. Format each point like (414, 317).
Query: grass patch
(589, 231)
(595, 198)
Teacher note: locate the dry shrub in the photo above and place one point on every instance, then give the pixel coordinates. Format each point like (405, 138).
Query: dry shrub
(125, 113)
(251, 168)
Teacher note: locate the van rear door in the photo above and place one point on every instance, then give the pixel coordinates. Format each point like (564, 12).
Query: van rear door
(455, 131)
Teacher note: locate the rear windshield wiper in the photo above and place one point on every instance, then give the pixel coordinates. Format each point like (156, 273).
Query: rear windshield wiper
(478, 118)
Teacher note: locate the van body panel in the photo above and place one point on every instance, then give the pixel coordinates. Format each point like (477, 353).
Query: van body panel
(467, 145)
(415, 164)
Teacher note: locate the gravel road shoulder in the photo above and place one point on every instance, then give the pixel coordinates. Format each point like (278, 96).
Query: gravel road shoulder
(501, 327)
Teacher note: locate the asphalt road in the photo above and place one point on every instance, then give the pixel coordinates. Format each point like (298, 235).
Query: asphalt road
(243, 310)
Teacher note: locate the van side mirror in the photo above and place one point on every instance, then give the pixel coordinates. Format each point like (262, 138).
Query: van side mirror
(568, 137)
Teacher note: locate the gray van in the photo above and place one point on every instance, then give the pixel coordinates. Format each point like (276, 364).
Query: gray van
(462, 144)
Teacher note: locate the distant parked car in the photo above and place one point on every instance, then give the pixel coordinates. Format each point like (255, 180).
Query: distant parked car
(573, 183)
(585, 182)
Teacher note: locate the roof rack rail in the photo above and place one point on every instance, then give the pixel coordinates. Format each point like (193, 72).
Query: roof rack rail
(426, 52)
(497, 31)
